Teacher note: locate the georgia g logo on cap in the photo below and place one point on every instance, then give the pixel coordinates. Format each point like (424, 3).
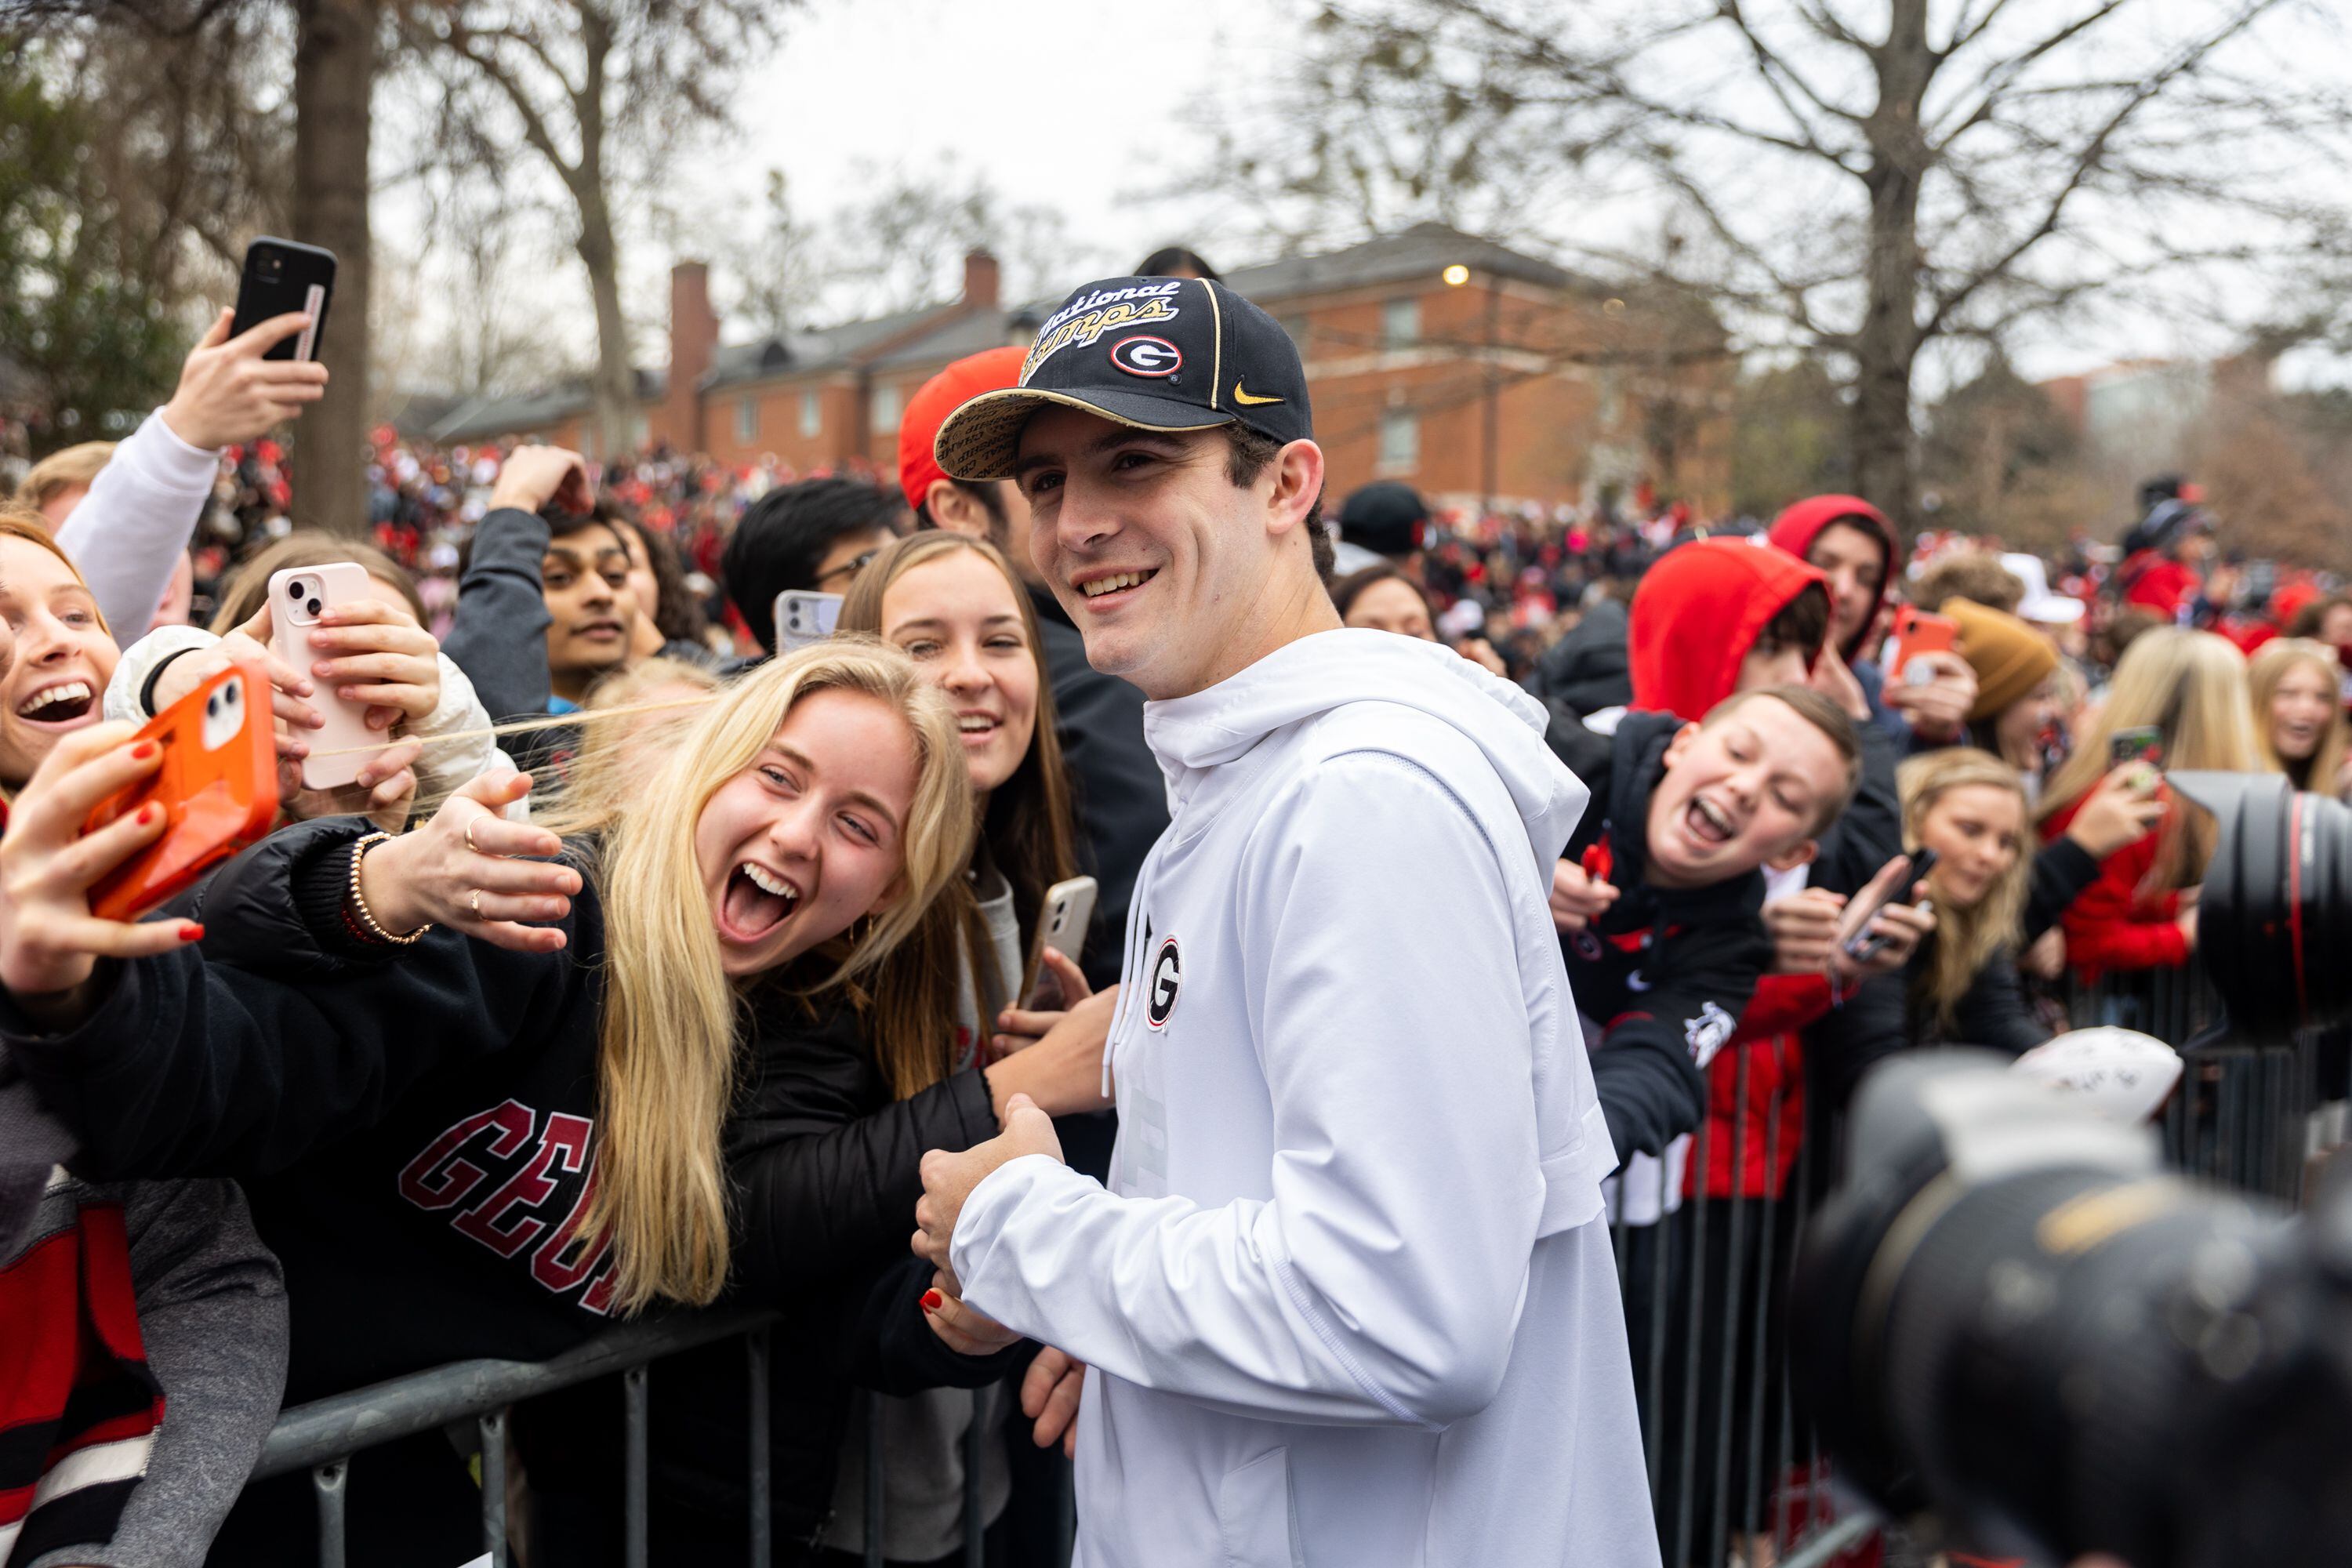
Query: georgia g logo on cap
(1147, 356)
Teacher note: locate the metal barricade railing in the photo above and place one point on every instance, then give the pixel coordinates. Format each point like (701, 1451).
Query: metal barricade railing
(1735, 1474)
(322, 1436)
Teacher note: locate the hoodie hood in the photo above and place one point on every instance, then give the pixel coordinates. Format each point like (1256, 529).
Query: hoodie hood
(1303, 679)
(1795, 530)
(1697, 613)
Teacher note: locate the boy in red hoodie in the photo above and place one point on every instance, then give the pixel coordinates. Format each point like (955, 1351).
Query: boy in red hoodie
(1854, 545)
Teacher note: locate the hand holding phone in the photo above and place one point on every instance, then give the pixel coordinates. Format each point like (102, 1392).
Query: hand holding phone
(1062, 920)
(297, 596)
(282, 278)
(1917, 634)
(1864, 944)
(217, 788)
(232, 391)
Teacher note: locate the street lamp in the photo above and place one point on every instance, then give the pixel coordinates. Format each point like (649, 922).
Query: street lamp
(1455, 276)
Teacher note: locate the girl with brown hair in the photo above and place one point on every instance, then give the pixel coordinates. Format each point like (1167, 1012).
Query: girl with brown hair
(951, 604)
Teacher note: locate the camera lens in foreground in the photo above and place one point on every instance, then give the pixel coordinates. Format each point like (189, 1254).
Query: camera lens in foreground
(2064, 1350)
(2275, 917)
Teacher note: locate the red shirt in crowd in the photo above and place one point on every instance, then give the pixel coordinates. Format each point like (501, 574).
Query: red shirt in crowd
(2112, 926)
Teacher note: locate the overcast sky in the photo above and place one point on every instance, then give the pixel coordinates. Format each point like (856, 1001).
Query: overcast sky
(1070, 104)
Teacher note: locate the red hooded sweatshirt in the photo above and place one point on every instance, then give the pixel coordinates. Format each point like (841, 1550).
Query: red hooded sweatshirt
(1795, 530)
(1697, 613)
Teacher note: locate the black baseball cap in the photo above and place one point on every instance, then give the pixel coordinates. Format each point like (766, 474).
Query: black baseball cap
(1385, 517)
(1156, 353)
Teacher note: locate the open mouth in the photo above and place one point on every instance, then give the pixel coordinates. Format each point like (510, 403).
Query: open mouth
(66, 702)
(977, 728)
(757, 901)
(1706, 823)
(1112, 584)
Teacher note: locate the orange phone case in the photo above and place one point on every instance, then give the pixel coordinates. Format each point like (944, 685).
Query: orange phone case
(219, 783)
(1916, 632)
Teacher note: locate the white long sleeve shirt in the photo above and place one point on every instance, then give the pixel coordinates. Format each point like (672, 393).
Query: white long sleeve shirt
(127, 534)
(1348, 1297)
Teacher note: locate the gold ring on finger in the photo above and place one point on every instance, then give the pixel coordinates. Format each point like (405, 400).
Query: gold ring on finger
(474, 899)
(469, 833)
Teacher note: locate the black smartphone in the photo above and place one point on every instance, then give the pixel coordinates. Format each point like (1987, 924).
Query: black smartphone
(281, 276)
(1862, 946)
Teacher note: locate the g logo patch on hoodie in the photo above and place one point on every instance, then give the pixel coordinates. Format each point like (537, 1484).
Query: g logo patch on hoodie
(1167, 978)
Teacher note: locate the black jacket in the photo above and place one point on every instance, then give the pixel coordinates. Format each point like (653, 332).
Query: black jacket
(415, 1125)
(2062, 869)
(1887, 1015)
(1590, 668)
(1666, 972)
(1121, 794)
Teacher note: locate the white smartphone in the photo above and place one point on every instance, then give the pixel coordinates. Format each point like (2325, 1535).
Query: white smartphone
(805, 616)
(297, 596)
(1062, 922)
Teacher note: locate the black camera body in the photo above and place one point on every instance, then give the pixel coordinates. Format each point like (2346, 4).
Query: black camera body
(2008, 1310)
(2274, 922)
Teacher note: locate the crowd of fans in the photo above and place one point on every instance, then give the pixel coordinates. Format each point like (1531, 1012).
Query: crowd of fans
(424, 1001)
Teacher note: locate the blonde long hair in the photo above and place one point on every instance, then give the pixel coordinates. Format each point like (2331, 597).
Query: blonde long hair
(667, 1056)
(2191, 686)
(1965, 940)
(2264, 672)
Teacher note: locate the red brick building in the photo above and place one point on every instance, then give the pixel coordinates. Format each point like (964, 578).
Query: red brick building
(1461, 366)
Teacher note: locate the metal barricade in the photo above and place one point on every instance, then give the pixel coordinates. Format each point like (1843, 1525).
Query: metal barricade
(322, 1437)
(1735, 1474)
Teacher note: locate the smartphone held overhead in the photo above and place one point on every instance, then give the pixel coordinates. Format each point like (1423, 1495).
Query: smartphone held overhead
(281, 277)
(217, 785)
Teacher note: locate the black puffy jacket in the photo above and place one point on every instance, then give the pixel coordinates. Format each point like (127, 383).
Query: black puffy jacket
(415, 1126)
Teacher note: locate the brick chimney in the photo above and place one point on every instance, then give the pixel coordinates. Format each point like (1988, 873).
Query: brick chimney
(980, 281)
(693, 339)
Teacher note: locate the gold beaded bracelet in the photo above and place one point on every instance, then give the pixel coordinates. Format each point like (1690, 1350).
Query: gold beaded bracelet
(359, 899)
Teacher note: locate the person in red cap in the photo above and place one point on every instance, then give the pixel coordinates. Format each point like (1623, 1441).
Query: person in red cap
(1855, 547)
(1122, 798)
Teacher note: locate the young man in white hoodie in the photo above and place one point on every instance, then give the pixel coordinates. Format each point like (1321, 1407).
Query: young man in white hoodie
(1347, 1297)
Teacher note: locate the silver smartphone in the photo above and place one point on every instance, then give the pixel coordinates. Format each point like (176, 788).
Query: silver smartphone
(1062, 922)
(805, 616)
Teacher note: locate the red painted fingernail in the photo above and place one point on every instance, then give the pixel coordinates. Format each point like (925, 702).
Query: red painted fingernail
(148, 813)
(191, 932)
(933, 1300)
(145, 749)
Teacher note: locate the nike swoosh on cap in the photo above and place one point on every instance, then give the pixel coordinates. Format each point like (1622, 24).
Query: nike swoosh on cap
(1245, 398)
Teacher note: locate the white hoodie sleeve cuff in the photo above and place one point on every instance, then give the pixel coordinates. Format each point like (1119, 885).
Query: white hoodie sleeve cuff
(126, 692)
(127, 534)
